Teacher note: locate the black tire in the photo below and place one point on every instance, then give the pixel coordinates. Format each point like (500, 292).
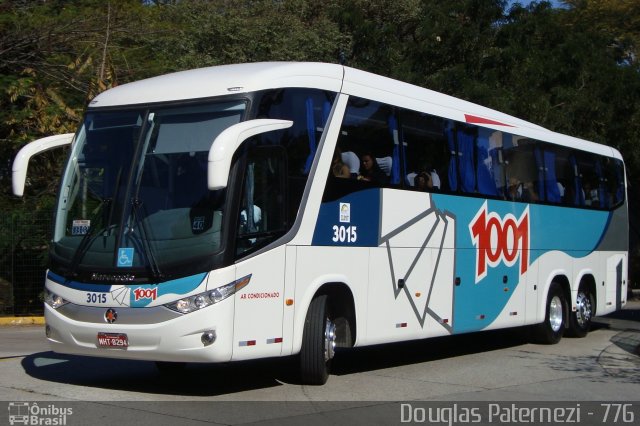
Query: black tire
(318, 343)
(550, 331)
(580, 320)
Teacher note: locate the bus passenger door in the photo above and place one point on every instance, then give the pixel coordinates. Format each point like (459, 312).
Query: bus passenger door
(261, 220)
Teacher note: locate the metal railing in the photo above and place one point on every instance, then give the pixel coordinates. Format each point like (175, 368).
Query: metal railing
(24, 239)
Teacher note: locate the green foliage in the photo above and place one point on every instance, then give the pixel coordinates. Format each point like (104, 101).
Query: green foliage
(574, 69)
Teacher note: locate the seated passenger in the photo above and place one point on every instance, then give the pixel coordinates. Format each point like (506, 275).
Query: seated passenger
(591, 197)
(521, 192)
(435, 179)
(529, 194)
(250, 224)
(352, 161)
(338, 168)
(370, 170)
(423, 181)
(514, 190)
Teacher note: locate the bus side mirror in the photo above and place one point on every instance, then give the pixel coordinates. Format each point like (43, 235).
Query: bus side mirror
(227, 143)
(21, 162)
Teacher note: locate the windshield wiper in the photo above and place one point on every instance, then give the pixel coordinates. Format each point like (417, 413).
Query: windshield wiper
(144, 239)
(88, 238)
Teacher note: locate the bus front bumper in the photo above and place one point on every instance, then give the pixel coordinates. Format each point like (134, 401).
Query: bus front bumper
(148, 334)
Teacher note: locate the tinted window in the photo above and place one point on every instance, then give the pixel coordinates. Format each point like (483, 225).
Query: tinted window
(309, 111)
(425, 151)
(368, 149)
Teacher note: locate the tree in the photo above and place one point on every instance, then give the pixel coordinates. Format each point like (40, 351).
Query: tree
(574, 70)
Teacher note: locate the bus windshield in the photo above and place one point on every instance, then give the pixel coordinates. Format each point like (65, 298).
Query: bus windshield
(134, 194)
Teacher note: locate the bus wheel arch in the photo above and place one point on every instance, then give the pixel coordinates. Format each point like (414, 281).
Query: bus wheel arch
(580, 318)
(342, 307)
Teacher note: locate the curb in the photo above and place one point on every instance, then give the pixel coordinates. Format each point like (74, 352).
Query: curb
(21, 321)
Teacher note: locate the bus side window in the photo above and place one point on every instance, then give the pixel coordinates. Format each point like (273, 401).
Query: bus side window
(522, 173)
(370, 132)
(309, 110)
(588, 165)
(614, 172)
(557, 174)
(425, 151)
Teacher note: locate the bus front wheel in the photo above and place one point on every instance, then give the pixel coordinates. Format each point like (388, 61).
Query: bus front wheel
(318, 343)
(550, 331)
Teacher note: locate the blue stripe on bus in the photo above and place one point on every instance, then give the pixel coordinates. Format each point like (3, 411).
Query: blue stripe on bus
(76, 285)
(551, 228)
(178, 286)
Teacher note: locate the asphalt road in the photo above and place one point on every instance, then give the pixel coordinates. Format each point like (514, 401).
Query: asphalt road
(368, 385)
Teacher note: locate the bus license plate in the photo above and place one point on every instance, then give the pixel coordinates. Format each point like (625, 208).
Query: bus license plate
(113, 340)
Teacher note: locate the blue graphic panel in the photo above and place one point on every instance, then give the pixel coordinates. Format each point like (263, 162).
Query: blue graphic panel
(353, 220)
(143, 295)
(550, 228)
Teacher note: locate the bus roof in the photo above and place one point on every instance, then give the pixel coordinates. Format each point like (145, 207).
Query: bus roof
(223, 80)
(244, 78)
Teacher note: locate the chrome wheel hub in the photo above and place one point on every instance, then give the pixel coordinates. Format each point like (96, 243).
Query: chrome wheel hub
(583, 309)
(329, 340)
(555, 314)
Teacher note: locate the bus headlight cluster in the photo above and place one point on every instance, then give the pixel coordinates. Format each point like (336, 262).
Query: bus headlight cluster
(209, 297)
(53, 299)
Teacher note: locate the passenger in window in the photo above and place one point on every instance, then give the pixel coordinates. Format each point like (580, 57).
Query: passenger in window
(529, 194)
(435, 179)
(561, 190)
(518, 191)
(591, 197)
(514, 190)
(352, 161)
(251, 224)
(423, 182)
(338, 168)
(370, 171)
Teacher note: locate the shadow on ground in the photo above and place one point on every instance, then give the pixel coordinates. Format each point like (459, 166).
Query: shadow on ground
(220, 379)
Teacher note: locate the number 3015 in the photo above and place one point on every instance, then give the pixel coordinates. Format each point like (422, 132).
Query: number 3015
(96, 298)
(344, 233)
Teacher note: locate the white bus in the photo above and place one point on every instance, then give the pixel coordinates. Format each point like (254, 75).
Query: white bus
(277, 209)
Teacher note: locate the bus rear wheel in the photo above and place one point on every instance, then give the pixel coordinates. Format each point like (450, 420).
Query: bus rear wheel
(580, 320)
(318, 343)
(550, 331)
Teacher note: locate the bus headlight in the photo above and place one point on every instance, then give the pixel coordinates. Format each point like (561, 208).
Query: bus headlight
(209, 297)
(53, 299)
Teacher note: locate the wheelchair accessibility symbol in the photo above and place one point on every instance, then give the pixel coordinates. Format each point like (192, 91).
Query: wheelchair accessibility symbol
(125, 257)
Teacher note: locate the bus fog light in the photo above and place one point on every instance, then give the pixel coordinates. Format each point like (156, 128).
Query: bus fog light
(208, 337)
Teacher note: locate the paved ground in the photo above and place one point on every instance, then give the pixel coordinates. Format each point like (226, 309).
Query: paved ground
(368, 386)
